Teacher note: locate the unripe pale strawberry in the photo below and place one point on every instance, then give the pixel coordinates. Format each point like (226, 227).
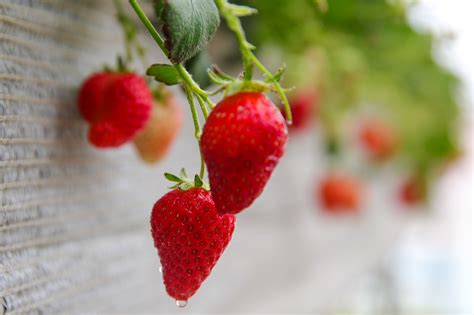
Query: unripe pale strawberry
(154, 141)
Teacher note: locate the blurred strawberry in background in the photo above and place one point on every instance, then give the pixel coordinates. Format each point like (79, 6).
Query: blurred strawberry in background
(339, 193)
(413, 191)
(304, 105)
(116, 104)
(378, 139)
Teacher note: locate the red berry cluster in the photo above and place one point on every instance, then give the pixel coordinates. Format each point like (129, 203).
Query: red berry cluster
(116, 105)
(120, 107)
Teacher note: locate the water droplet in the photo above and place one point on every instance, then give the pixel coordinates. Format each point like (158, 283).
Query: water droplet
(181, 303)
(160, 269)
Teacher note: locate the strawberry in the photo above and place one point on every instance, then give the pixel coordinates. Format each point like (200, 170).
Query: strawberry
(303, 107)
(242, 142)
(378, 138)
(117, 105)
(340, 193)
(91, 95)
(412, 191)
(190, 237)
(154, 141)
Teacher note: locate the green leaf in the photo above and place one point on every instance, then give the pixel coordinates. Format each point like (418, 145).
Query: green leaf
(187, 26)
(172, 178)
(182, 173)
(198, 181)
(166, 74)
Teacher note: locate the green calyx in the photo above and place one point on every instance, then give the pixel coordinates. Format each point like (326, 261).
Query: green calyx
(231, 14)
(232, 85)
(183, 182)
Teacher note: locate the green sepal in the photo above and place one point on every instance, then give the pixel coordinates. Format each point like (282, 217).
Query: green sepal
(164, 73)
(185, 186)
(218, 76)
(277, 76)
(172, 178)
(182, 182)
(216, 79)
(241, 10)
(198, 181)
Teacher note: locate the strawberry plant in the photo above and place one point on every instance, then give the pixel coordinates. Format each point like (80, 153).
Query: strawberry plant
(243, 138)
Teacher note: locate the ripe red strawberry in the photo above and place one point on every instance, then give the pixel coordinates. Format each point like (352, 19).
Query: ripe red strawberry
(339, 193)
(91, 95)
(154, 141)
(190, 237)
(303, 107)
(117, 105)
(412, 191)
(242, 142)
(378, 138)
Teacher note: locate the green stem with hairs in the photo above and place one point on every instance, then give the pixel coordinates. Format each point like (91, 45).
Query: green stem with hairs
(151, 29)
(248, 57)
(202, 104)
(197, 127)
(190, 86)
(184, 74)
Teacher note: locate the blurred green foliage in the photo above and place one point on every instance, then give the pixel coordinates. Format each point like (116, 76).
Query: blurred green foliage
(360, 53)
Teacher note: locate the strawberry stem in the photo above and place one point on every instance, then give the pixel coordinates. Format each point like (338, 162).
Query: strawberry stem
(231, 14)
(131, 43)
(151, 29)
(183, 73)
(203, 106)
(192, 106)
(190, 86)
(203, 167)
